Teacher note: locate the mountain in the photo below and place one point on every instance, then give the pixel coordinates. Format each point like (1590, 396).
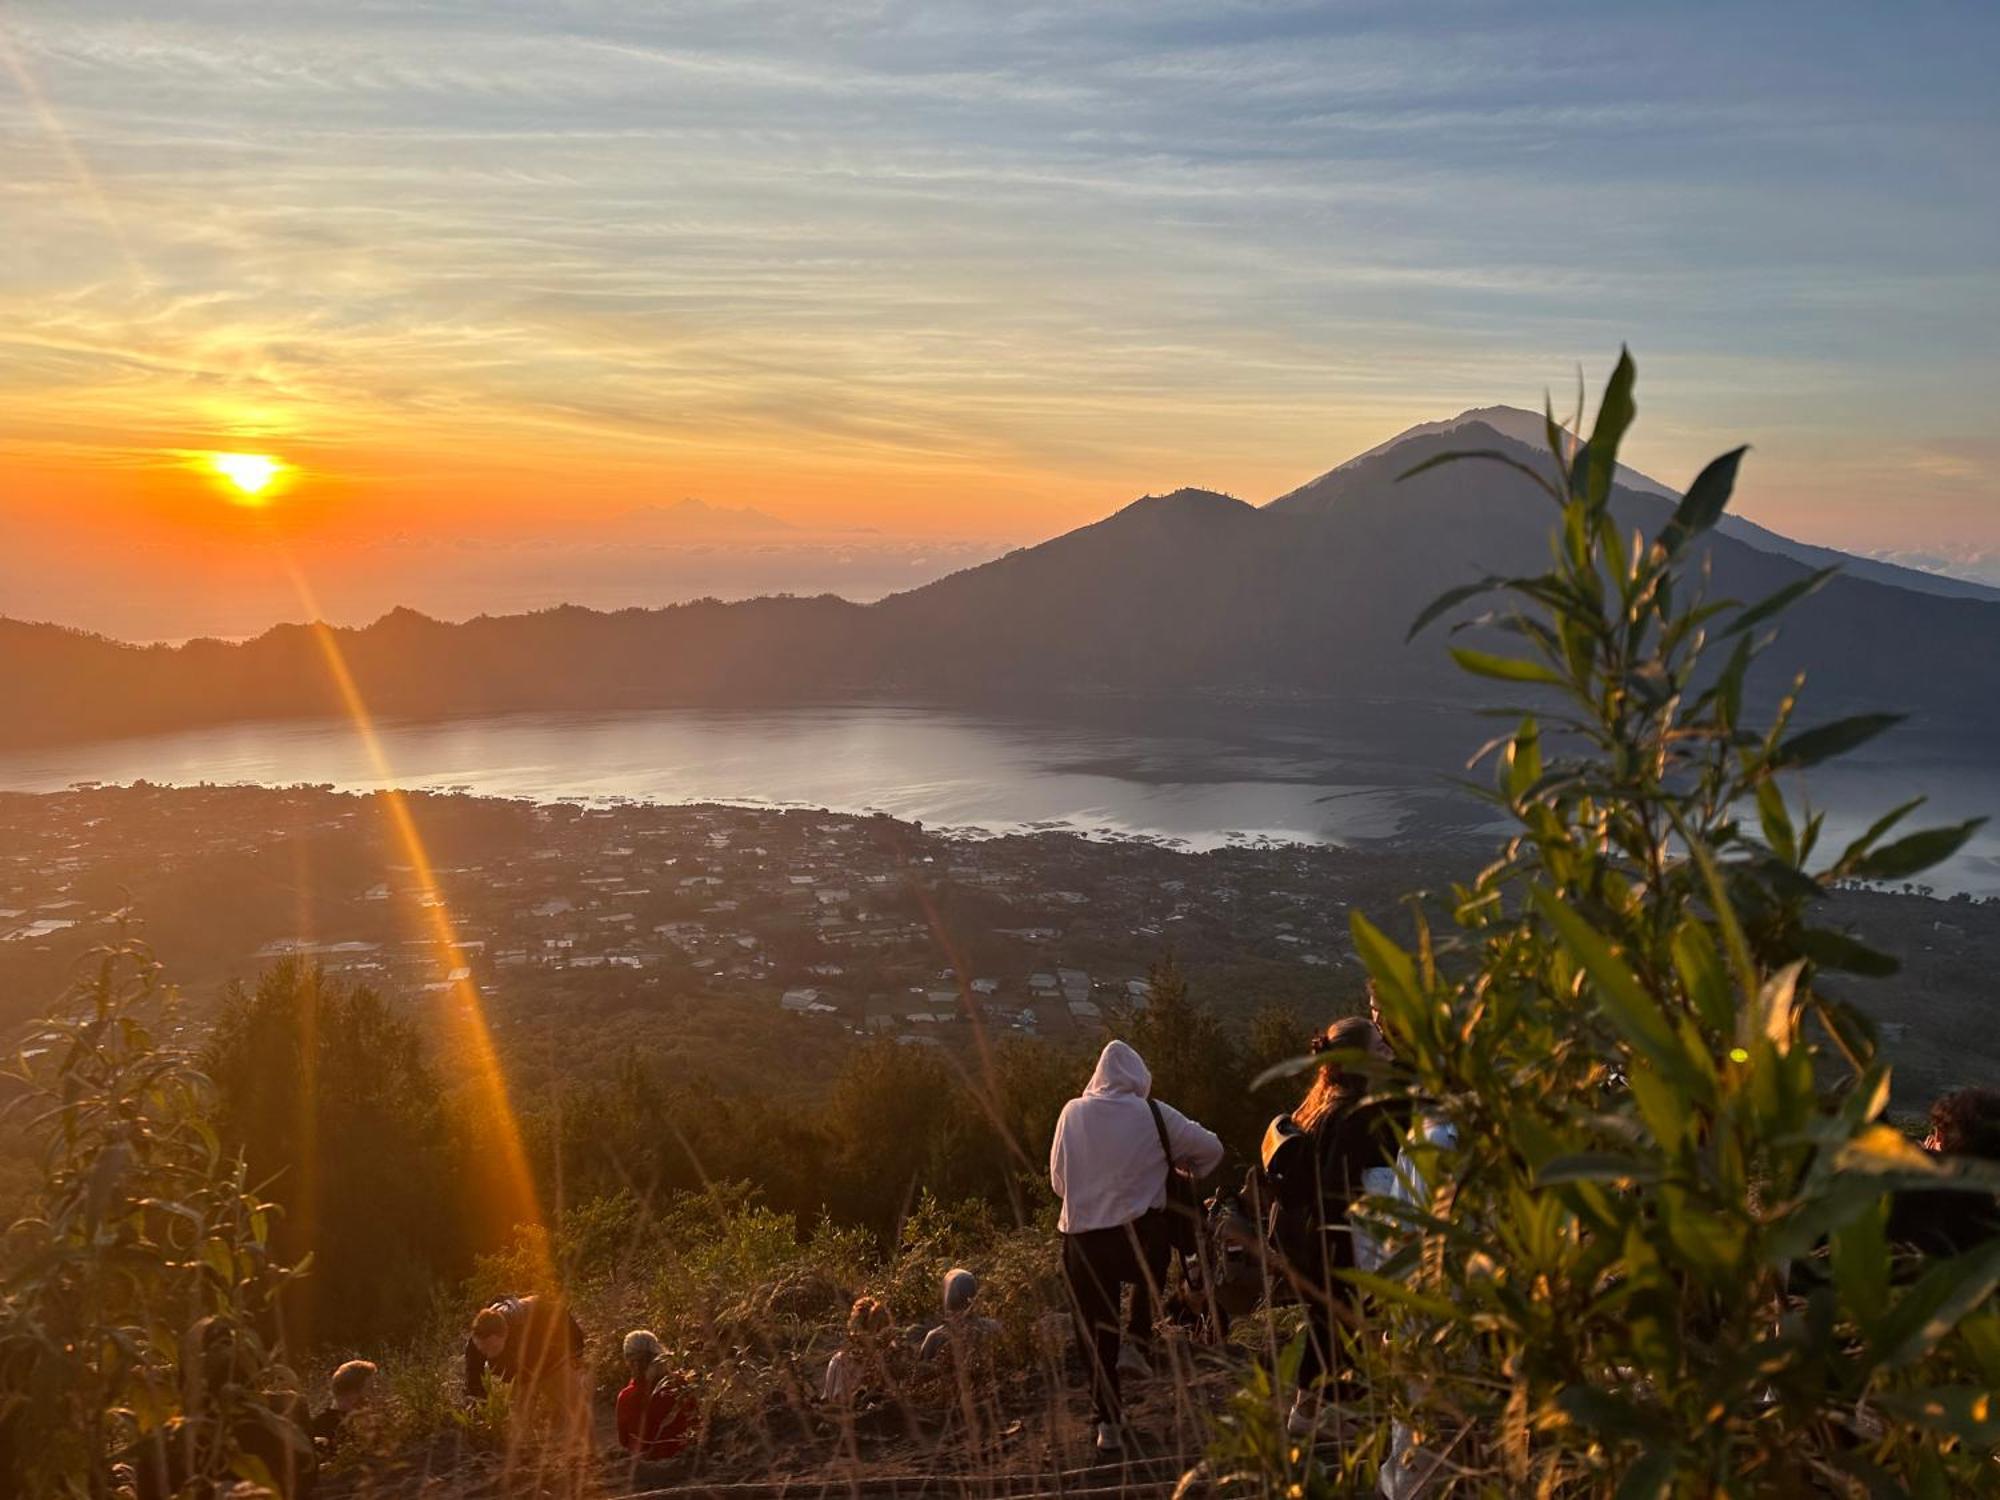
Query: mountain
(1528, 429)
(1189, 597)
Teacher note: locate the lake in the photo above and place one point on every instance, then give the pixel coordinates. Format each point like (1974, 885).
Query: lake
(1227, 777)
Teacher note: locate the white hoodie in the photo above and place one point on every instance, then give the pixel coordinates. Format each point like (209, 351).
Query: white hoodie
(1105, 1162)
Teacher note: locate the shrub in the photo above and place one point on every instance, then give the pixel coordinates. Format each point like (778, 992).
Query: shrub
(336, 1105)
(143, 1250)
(1656, 1263)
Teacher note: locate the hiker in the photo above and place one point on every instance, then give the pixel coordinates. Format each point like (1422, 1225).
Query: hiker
(960, 1331)
(1318, 1160)
(1113, 1153)
(268, 1426)
(857, 1368)
(1950, 1221)
(656, 1409)
(351, 1389)
(536, 1346)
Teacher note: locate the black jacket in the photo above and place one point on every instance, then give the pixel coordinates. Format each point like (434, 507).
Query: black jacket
(542, 1339)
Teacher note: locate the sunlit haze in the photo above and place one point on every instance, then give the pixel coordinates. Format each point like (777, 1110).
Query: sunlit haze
(883, 290)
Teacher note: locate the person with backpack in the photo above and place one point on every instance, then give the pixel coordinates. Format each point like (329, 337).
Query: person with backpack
(1336, 1147)
(1114, 1163)
(535, 1345)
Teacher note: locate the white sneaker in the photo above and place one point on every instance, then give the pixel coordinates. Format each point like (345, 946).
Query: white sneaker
(1108, 1440)
(1132, 1363)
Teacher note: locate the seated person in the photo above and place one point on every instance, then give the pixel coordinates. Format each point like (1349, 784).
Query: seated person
(857, 1370)
(352, 1388)
(1950, 1221)
(656, 1409)
(960, 1330)
(229, 1413)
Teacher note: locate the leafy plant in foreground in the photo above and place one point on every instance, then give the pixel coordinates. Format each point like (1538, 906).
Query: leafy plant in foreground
(1656, 1262)
(144, 1248)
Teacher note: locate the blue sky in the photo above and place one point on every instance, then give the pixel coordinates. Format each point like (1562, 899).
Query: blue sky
(988, 270)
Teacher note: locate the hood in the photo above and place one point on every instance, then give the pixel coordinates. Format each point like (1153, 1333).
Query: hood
(1120, 1070)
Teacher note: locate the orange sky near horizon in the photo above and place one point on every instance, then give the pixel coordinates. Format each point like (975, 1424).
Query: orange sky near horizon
(480, 279)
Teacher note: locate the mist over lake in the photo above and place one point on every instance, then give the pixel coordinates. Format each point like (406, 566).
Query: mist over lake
(1201, 782)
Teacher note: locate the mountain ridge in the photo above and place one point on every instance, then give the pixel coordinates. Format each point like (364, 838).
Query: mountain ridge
(1182, 596)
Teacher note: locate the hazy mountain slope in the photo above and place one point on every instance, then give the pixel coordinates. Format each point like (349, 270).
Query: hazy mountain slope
(1528, 429)
(64, 685)
(1181, 597)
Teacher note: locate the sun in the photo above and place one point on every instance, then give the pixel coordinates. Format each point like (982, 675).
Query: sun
(249, 474)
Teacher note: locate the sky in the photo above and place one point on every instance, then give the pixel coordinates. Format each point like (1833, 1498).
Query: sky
(504, 283)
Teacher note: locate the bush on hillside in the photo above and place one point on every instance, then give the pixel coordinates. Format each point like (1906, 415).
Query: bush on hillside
(338, 1110)
(1656, 1264)
(142, 1253)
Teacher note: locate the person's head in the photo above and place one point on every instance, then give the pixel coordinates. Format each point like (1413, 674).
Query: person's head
(868, 1318)
(1966, 1122)
(1119, 1070)
(221, 1356)
(353, 1384)
(642, 1348)
(489, 1332)
(1334, 1084)
(960, 1287)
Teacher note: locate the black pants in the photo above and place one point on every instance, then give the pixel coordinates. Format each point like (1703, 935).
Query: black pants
(1328, 1302)
(1098, 1265)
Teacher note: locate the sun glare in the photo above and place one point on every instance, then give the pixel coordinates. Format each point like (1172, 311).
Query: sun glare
(249, 474)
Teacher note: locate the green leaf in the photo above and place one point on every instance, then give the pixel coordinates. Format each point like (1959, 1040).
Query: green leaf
(1624, 1000)
(1915, 853)
(1390, 1290)
(1868, 840)
(1663, 1107)
(1931, 1309)
(1774, 1018)
(1861, 1260)
(1596, 1166)
(1386, 963)
(1506, 668)
(1704, 502)
(1522, 764)
(1597, 464)
(1836, 950)
(1812, 746)
(1450, 599)
(1777, 821)
(1778, 602)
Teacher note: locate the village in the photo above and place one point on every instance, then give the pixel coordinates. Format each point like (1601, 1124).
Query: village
(864, 924)
(623, 925)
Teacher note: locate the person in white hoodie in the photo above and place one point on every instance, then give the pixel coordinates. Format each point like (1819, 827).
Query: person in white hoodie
(1108, 1167)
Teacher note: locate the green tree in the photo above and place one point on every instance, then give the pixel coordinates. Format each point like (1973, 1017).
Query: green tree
(142, 1251)
(338, 1109)
(1655, 1264)
(1195, 1062)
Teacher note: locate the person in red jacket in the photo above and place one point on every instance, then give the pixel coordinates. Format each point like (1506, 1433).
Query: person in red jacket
(656, 1409)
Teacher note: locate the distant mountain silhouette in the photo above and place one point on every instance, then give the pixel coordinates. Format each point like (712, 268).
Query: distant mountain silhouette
(1527, 429)
(1189, 596)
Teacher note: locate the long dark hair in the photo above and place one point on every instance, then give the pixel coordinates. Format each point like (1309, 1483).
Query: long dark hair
(1331, 1087)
